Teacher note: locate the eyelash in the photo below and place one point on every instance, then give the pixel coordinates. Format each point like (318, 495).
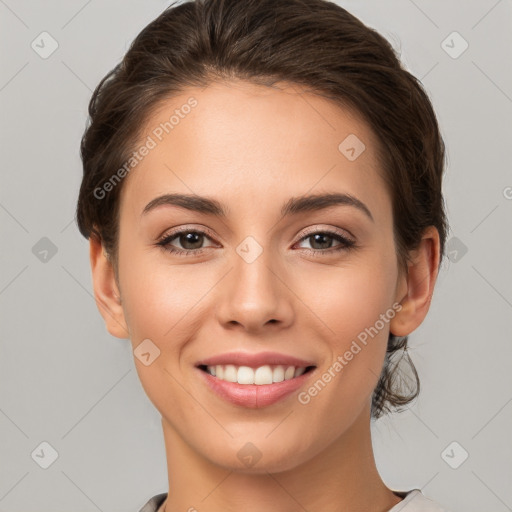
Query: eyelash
(345, 243)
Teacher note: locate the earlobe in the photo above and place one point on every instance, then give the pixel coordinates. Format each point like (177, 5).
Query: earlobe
(106, 292)
(420, 280)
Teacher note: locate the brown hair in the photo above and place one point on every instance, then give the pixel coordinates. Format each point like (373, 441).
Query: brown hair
(313, 43)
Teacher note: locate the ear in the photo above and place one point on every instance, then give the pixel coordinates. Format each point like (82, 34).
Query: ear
(415, 290)
(106, 291)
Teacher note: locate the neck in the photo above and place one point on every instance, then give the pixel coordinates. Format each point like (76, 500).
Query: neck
(342, 477)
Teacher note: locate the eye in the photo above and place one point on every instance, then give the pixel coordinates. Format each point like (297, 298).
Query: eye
(321, 242)
(190, 240)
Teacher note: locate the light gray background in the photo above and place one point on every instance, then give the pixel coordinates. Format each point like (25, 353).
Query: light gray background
(66, 381)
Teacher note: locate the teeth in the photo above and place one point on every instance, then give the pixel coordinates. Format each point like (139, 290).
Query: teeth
(278, 374)
(289, 373)
(262, 375)
(299, 372)
(230, 373)
(245, 375)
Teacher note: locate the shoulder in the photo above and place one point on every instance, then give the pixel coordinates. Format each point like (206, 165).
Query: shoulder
(154, 503)
(416, 501)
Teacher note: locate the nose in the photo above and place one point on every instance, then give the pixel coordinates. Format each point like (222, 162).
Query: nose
(255, 295)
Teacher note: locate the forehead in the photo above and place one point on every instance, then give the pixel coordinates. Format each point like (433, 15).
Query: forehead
(241, 140)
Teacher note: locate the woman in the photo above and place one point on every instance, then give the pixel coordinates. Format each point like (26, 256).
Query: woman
(262, 196)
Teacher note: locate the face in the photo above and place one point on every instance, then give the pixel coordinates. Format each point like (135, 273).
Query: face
(305, 282)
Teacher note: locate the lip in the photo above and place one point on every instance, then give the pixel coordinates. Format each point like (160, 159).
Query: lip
(255, 360)
(254, 396)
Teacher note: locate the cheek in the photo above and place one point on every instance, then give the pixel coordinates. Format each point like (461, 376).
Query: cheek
(351, 297)
(159, 303)
(156, 297)
(355, 306)
(362, 299)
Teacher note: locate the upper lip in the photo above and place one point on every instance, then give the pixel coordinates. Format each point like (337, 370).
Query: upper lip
(255, 360)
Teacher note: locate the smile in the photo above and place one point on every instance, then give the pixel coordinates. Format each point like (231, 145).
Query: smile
(266, 374)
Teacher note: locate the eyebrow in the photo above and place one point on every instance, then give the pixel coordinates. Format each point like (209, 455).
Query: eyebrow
(293, 206)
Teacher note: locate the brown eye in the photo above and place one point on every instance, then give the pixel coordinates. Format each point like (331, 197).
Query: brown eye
(322, 241)
(191, 242)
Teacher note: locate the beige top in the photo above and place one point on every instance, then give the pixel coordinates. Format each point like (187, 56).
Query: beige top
(414, 501)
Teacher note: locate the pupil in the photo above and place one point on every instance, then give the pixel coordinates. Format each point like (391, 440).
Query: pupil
(189, 239)
(319, 237)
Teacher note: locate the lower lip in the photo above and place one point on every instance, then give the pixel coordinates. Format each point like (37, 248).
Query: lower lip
(252, 395)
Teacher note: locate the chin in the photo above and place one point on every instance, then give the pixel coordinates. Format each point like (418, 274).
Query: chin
(260, 456)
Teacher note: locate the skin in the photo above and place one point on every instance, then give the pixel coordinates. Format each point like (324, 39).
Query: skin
(252, 148)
